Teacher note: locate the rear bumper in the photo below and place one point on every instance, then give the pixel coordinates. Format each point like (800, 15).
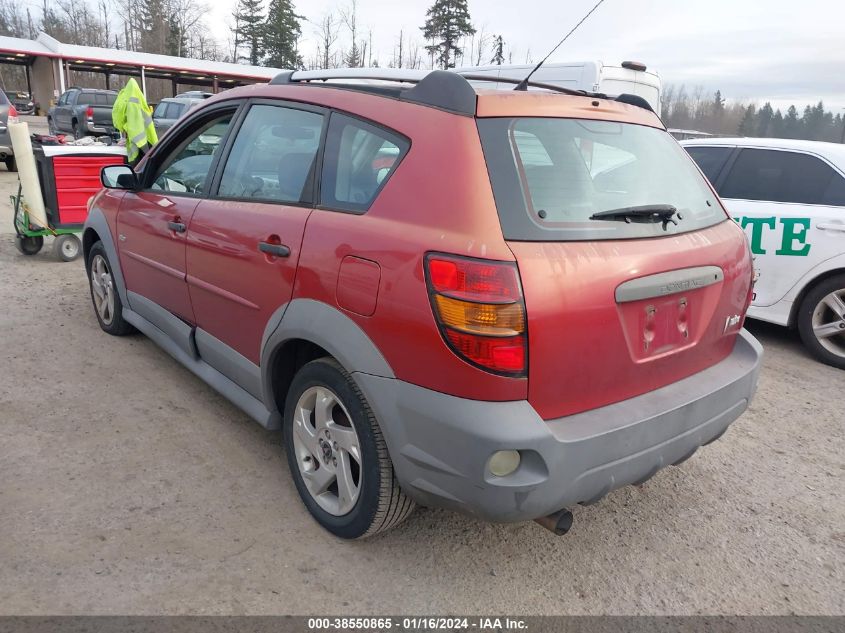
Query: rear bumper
(440, 444)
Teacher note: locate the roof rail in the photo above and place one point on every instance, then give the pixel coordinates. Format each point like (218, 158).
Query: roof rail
(447, 90)
(435, 88)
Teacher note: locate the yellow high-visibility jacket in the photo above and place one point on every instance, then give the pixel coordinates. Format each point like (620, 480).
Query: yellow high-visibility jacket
(133, 118)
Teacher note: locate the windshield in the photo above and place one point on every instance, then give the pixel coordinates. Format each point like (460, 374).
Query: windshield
(550, 175)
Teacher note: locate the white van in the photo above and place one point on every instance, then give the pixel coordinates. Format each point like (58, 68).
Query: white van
(610, 79)
(789, 196)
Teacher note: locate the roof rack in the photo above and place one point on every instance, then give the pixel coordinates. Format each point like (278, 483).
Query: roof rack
(447, 90)
(435, 88)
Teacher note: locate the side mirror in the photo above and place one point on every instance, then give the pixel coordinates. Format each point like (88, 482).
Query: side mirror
(118, 177)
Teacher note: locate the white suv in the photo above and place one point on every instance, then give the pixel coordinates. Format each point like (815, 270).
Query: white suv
(789, 196)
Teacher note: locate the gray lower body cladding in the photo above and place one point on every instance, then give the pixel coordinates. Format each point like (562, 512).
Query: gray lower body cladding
(440, 444)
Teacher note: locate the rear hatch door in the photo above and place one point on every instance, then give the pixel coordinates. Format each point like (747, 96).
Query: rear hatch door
(633, 275)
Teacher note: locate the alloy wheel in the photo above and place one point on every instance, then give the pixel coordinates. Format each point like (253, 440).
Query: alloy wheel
(828, 322)
(327, 450)
(102, 289)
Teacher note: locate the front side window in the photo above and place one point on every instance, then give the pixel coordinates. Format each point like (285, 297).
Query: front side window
(711, 160)
(186, 169)
(359, 159)
(551, 175)
(781, 176)
(273, 156)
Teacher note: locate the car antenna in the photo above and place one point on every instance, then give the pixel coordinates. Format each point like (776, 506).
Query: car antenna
(523, 85)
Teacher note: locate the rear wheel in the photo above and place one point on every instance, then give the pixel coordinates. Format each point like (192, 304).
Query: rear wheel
(28, 245)
(77, 132)
(11, 163)
(821, 321)
(67, 247)
(51, 127)
(106, 299)
(337, 454)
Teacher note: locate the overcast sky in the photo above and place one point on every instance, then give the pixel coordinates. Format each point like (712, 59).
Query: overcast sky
(786, 51)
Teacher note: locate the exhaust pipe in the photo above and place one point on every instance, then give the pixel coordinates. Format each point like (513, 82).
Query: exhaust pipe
(560, 522)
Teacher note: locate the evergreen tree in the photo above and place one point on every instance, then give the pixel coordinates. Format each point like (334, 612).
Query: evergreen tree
(353, 57)
(249, 17)
(791, 123)
(813, 122)
(498, 51)
(764, 120)
(446, 23)
(152, 26)
(718, 105)
(777, 127)
(746, 126)
(177, 42)
(281, 34)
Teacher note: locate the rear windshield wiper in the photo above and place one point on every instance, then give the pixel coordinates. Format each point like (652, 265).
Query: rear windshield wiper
(647, 213)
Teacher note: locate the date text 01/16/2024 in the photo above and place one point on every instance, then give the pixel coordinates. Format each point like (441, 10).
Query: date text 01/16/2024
(417, 623)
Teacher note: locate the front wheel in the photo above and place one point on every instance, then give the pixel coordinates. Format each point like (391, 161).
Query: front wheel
(106, 299)
(821, 321)
(337, 454)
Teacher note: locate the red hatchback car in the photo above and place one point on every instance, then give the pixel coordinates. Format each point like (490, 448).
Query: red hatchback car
(499, 302)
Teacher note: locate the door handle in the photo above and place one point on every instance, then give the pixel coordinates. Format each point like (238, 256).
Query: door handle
(178, 227)
(836, 226)
(277, 250)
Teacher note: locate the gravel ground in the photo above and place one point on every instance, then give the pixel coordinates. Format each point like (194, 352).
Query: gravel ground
(129, 487)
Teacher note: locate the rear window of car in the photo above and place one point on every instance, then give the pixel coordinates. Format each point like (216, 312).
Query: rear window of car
(549, 175)
(783, 176)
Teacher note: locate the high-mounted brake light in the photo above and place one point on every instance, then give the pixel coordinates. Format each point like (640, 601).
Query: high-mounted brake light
(479, 308)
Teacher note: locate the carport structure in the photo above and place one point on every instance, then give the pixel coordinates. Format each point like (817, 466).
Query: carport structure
(48, 64)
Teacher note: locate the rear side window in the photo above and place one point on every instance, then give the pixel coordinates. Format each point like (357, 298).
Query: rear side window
(359, 159)
(711, 160)
(550, 175)
(273, 156)
(160, 111)
(174, 110)
(781, 176)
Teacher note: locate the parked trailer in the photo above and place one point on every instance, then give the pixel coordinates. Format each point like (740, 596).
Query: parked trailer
(595, 76)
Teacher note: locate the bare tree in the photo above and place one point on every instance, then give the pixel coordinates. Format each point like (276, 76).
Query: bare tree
(327, 32)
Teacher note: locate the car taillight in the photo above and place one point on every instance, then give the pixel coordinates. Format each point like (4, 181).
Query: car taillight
(13, 114)
(89, 113)
(479, 308)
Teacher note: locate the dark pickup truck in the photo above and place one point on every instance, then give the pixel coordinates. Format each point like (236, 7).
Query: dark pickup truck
(83, 112)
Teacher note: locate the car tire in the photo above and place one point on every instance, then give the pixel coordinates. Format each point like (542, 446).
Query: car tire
(52, 130)
(821, 321)
(67, 247)
(11, 163)
(104, 295)
(77, 131)
(27, 245)
(355, 460)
